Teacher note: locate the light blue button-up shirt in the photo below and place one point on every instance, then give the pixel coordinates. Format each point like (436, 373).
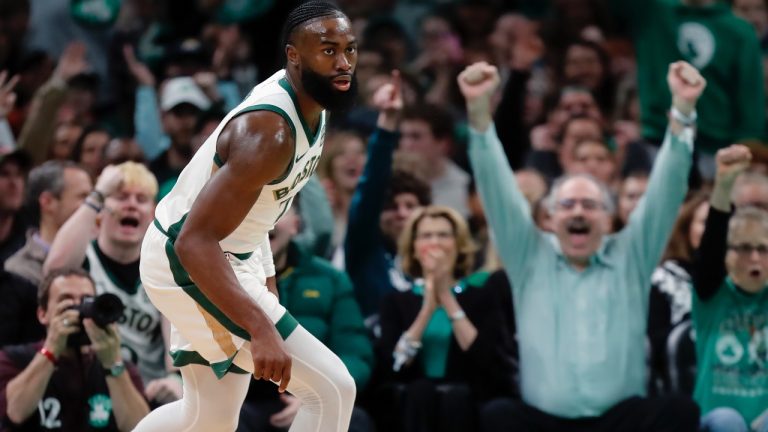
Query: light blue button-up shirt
(581, 334)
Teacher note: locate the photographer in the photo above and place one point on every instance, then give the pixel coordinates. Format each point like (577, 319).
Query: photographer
(67, 389)
(118, 211)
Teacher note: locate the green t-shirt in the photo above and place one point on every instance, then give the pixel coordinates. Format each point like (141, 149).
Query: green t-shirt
(436, 339)
(732, 351)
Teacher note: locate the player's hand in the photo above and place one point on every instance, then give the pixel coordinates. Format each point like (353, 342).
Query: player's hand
(388, 100)
(270, 360)
(731, 161)
(284, 417)
(164, 390)
(686, 85)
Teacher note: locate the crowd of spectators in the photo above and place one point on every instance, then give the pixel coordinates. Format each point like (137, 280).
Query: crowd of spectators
(554, 252)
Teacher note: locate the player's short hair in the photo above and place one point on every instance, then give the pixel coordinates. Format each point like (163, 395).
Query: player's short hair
(306, 12)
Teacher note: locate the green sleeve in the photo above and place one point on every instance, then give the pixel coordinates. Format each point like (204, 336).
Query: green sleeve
(651, 223)
(348, 337)
(508, 213)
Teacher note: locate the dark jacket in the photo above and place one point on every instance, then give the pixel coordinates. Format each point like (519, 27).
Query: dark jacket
(488, 366)
(18, 310)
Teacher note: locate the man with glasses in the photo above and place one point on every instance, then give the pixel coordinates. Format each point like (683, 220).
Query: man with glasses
(581, 294)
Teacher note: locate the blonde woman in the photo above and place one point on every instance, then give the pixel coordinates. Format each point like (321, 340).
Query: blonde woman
(445, 329)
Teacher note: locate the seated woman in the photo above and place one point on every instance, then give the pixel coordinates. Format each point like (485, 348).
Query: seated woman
(444, 349)
(730, 308)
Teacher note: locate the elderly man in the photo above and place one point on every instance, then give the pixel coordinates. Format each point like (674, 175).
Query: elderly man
(581, 295)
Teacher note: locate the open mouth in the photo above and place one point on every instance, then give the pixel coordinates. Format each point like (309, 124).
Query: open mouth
(578, 227)
(129, 221)
(578, 232)
(755, 273)
(342, 83)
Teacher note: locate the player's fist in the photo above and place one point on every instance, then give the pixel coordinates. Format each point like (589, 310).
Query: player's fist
(685, 82)
(478, 80)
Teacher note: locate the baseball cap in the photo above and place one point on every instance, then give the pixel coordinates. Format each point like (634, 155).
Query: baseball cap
(19, 157)
(181, 90)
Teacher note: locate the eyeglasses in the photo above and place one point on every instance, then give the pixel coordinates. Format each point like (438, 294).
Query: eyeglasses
(438, 235)
(587, 204)
(746, 249)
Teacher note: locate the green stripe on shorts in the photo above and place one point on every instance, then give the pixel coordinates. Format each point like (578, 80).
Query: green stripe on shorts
(182, 279)
(184, 358)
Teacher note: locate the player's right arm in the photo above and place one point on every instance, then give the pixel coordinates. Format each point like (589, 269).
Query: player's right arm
(256, 147)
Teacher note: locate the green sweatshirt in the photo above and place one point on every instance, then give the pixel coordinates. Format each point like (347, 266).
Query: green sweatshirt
(723, 47)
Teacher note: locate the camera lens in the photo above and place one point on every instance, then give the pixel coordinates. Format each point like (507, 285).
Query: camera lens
(107, 308)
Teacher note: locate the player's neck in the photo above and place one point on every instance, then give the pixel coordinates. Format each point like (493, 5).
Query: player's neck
(310, 109)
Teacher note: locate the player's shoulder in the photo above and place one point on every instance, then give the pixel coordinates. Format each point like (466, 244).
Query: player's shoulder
(263, 124)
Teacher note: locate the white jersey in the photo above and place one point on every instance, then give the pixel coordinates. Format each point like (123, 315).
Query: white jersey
(274, 94)
(140, 326)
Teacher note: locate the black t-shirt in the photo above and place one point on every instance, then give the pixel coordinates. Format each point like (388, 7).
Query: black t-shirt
(18, 309)
(127, 274)
(77, 398)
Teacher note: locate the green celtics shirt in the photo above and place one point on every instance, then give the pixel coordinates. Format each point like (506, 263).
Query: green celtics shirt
(732, 351)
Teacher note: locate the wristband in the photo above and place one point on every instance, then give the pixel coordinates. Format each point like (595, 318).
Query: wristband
(685, 120)
(96, 208)
(49, 355)
(98, 195)
(458, 315)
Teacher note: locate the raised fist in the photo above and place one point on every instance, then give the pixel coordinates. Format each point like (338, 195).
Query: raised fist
(685, 82)
(478, 80)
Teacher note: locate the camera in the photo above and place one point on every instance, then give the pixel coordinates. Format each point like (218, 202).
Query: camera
(103, 309)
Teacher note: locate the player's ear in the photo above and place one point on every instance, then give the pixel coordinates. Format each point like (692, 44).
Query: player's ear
(292, 54)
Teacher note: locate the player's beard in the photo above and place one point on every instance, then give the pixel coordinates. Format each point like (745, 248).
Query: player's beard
(321, 89)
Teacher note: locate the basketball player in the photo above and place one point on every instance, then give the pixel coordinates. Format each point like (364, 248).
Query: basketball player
(206, 261)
